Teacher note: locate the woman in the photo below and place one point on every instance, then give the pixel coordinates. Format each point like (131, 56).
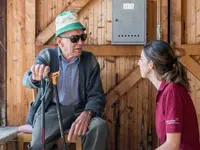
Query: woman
(176, 120)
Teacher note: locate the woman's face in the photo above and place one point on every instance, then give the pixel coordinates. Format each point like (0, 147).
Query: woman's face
(145, 66)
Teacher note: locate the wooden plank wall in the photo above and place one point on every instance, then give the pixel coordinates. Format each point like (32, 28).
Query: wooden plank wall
(191, 18)
(3, 62)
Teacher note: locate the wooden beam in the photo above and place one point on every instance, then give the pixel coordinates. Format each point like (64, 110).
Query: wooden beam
(15, 57)
(176, 23)
(20, 56)
(151, 19)
(122, 87)
(38, 48)
(164, 19)
(30, 29)
(3, 62)
(109, 50)
(179, 52)
(105, 50)
(191, 49)
(49, 31)
(191, 65)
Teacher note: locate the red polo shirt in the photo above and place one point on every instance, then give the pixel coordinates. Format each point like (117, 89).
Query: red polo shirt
(175, 113)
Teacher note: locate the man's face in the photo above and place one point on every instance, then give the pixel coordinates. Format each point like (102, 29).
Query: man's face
(71, 44)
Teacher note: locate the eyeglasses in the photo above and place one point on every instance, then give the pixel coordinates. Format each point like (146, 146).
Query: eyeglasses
(76, 38)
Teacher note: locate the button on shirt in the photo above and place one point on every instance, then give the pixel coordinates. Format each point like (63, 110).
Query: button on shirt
(175, 113)
(68, 81)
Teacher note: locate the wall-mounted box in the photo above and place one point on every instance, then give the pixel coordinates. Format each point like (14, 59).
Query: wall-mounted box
(129, 22)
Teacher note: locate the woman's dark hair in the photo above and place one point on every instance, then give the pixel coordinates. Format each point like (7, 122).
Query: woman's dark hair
(167, 66)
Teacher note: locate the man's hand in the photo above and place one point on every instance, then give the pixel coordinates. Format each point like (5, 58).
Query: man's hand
(39, 71)
(80, 125)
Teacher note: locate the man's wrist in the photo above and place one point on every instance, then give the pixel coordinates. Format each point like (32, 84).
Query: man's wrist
(90, 112)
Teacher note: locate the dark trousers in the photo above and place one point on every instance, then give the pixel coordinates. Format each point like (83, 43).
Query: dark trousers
(95, 138)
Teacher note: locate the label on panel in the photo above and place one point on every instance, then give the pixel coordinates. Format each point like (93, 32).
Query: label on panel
(128, 6)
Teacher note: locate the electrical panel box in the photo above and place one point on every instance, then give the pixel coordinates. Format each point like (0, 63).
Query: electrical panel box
(129, 22)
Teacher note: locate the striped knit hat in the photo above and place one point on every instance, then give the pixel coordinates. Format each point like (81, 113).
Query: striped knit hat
(67, 21)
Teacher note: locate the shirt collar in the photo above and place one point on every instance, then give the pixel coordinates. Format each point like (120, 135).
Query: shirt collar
(59, 51)
(163, 85)
(76, 59)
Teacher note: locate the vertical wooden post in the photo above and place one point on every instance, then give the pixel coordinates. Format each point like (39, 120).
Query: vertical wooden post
(20, 56)
(3, 62)
(176, 23)
(164, 19)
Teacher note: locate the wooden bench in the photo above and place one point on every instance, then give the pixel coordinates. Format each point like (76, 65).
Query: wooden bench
(7, 134)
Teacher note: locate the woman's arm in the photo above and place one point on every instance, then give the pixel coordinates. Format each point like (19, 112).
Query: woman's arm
(172, 142)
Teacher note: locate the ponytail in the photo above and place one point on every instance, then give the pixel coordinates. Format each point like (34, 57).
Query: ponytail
(177, 75)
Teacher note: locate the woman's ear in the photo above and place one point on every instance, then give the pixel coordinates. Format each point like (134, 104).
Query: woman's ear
(151, 65)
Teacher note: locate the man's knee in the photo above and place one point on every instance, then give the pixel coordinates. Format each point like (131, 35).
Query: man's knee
(99, 124)
(96, 137)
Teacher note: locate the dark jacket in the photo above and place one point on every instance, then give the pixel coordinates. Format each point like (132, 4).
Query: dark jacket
(90, 88)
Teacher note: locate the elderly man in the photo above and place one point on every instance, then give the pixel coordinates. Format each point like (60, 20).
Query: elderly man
(79, 86)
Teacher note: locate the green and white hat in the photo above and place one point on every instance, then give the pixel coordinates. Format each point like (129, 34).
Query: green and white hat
(67, 21)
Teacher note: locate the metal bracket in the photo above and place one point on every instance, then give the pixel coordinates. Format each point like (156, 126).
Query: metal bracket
(159, 31)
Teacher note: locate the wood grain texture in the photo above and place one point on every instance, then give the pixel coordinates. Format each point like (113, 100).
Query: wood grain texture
(3, 62)
(49, 31)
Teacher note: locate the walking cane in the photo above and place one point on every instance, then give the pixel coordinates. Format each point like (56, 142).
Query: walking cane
(54, 77)
(43, 115)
